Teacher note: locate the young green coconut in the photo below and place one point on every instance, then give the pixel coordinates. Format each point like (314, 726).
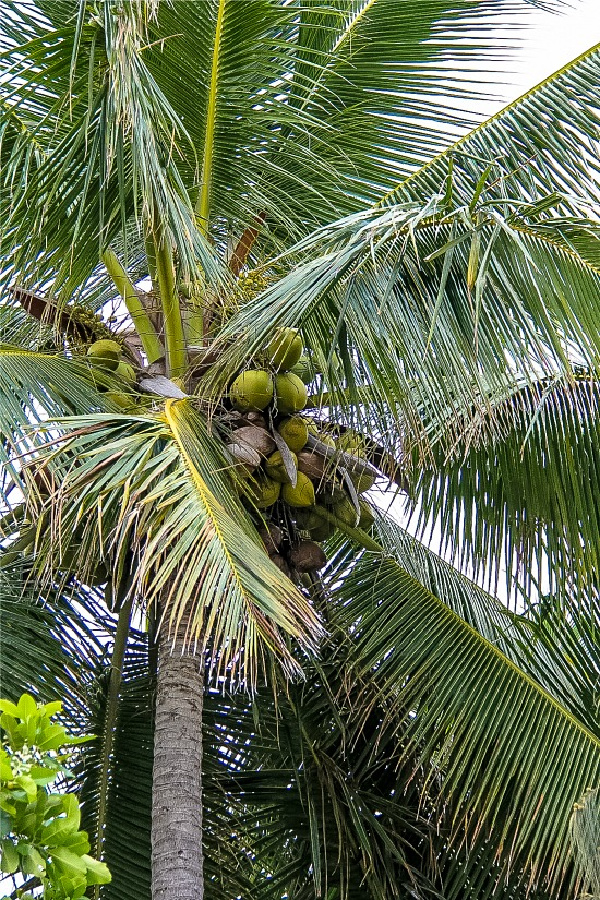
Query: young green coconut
(290, 394)
(367, 516)
(120, 399)
(362, 481)
(265, 492)
(284, 350)
(125, 372)
(252, 390)
(275, 466)
(345, 512)
(315, 522)
(300, 496)
(304, 370)
(294, 431)
(105, 353)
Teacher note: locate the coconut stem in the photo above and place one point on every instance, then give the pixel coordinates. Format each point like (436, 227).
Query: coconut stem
(142, 324)
(151, 259)
(357, 534)
(174, 338)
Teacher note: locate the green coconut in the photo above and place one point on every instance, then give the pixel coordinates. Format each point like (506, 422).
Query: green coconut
(265, 492)
(367, 516)
(326, 439)
(125, 372)
(300, 496)
(252, 389)
(315, 522)
(106, 353)
(275, 466)
(284, 350)
(309, 518)
(120, 399)
(294, 431)
(304, 370)
(323, 531)
(362, 481)
(290, 394)
(331, 492)
(345, 512)
(351, 442)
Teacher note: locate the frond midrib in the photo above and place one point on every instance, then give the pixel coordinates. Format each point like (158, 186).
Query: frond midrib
(524, 676)
(203, 203)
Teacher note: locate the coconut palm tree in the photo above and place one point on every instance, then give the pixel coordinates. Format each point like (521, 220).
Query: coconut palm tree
(217, 175)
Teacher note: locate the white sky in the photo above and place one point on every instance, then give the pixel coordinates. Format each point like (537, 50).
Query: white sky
(550, 41)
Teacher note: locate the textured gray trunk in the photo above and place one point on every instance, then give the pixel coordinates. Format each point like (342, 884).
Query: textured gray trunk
(177, 862)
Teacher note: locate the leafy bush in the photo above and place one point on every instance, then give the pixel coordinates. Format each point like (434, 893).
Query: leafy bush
(39, 828)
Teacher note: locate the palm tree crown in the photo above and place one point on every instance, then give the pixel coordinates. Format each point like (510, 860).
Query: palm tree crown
(239, 174)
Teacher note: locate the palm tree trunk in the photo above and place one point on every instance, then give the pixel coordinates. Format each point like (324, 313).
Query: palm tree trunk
(177, 861)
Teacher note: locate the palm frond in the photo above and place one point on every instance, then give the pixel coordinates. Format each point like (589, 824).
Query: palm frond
(157, 488)
(126, 845)
(306, 110)
(500, 743)
(35, 386)
(532, 477)
(47, 643)
(585, 828)
(92, 146)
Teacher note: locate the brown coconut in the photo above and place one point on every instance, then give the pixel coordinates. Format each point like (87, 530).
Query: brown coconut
(307, 557)
(312, 464)
(282, 564)
(272, 538)
(256, 418)
(257, 438)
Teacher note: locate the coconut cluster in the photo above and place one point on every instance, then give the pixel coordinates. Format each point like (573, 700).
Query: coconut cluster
(107, 355)
(304, 479)
(301, 479)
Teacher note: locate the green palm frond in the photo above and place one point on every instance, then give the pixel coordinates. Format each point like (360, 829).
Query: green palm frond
(521, 491)
(501, 744)
(551, 640)
(542, 142)
(93, 151)
(306, 109)
(47, 644)
(585, 829)
(35, 386)
(475, 274)
(258, 107)
(126, 846)
(158, 489)
(410, 343)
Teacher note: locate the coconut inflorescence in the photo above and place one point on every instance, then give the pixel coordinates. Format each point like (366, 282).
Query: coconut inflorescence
(300, 490)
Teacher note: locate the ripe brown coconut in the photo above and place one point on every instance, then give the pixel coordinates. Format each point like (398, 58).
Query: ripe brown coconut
(308, 557)
(257, 438)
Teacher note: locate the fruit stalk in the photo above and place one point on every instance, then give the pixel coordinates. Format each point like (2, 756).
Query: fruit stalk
(174, 338)
(142, 324)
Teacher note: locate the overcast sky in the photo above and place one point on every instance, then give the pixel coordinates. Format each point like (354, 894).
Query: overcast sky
(550, 41)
